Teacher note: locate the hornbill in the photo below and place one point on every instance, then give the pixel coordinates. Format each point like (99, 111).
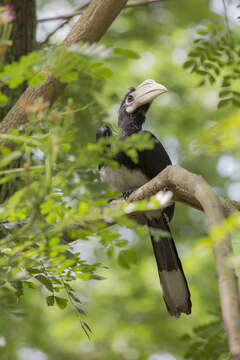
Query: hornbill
(130, 175)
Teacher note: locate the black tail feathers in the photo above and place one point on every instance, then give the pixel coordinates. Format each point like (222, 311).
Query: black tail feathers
(176, 293)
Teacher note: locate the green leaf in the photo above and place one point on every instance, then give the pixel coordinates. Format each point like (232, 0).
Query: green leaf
(97, 277)
(202, 72)
(84, 276)
(103, 72)
(126, 53)
(17, 284)
(37, 79)
(33, 270)
(96, 65)
(224, 93)
(50, 300)
(69, 77)
(211, 79)
(61, 302)
(9, 158)
(226, 83)
(126, 258)
(236, 102)
(3, 99)
(74, 297)
(201, 32)
(81, 311)
(188, 64)
(30, 284)
(224, 102)
(45, 281)
(87, 326)
(236, 94)
(110, 251)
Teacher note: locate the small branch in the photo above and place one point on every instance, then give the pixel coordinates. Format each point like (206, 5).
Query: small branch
(227, 21)
(80, 11)
(53, 32)
(141, 3)
(95, 21)
(21, 170)
(62, 17)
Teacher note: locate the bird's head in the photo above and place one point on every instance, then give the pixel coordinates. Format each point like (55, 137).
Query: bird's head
(103, 131)
(135, 105)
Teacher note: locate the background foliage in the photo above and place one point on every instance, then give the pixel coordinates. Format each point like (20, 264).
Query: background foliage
(109, 273)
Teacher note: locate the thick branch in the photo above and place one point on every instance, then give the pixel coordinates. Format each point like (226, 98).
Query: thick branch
(80, 11)
(97, 18)
(179, 181)
(192, 190)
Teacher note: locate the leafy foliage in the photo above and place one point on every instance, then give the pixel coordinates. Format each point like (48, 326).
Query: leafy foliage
(208, 342)
(55, 205)
(215, 57)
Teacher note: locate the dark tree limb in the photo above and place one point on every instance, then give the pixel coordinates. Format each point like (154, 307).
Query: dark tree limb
(192, 190)
(80, 11)
(95, 21)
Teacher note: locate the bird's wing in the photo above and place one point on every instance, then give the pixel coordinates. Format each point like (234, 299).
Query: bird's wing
(152, 161)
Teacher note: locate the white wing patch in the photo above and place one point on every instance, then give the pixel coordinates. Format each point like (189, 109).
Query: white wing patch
(122, 178)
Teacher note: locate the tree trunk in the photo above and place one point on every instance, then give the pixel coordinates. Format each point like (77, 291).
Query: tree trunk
(23, 42)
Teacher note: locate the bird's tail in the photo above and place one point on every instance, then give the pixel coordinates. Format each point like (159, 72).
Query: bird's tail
(176, 293)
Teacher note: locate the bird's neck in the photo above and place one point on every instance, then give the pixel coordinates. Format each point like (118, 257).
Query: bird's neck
(131, 125)
(130, 129)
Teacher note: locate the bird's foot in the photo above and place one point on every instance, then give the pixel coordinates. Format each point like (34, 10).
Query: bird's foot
(111, 199)
(128, 192)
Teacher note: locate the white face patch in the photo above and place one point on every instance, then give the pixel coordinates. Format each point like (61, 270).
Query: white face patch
(122, 178)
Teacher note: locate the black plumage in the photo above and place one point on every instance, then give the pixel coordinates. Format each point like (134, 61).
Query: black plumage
(131, 175)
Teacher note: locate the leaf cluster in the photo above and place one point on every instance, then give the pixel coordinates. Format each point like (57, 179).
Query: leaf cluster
(215, 57)
(208, 342)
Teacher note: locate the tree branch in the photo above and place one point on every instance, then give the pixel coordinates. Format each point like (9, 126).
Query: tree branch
(92, 25)
(174, 179)
(192, 190)
(45, 41)
(81, 11)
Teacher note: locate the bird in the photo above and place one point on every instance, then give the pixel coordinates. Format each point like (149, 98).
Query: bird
(130, 175)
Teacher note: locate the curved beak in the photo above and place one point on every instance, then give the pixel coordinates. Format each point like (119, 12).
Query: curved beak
(145, 93)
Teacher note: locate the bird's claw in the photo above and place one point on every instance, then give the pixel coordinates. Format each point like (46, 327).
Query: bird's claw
(127, 193)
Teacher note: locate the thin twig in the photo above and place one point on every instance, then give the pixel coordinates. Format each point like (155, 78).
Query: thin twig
(21, 170)
(227, 20)
(61, 17)
(140, 3)
(80, 11)
(54, 31)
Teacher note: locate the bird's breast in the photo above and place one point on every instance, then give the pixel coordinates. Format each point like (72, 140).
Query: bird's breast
(122, 178)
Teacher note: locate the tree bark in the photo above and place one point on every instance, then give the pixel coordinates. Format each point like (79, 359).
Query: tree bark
(23, 41)
(23, 34)
(80, 11)
(95, 21)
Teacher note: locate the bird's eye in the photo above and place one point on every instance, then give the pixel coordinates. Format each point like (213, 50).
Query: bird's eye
(130, 99)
